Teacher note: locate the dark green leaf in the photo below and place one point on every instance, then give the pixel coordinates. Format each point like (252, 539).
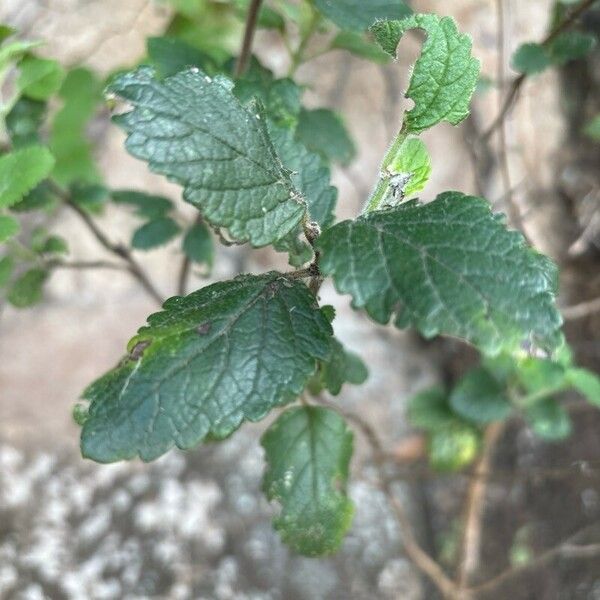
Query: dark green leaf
(7, 264)
(228, 352)
(155, 233)
(21, 171)
(445, 75)
(357, 44)
(448, 267)
(324, 132)
(27, 289)
(430, 410)
(571, 45)
(198, 245)
(193, 130)
(453, 447)
(41, 197)
(308, 451)
(358, 15)
(89, 196)
(478, 397)
(549, 420)
(147, 206)
(539, 376)
(24, 121)
(170, 55)
(342, 367)
(530, 58)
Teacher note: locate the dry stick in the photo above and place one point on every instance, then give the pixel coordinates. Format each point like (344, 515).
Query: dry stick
(251, 19)
(419, 557)
(472, 533)
(580, 311)
(566, 548)
(515, 87)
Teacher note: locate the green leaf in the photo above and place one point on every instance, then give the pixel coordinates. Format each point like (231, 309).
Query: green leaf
(357, 44)
(7, 265)
(549, 420)
(342, 367)
(147, 206)
(308, 451)
(453, 447)
(170, 55)
(155, 233)
(448, 267)
(21, 171)
(24, 122)
(358, 15)
(91, 197)
(227, 353)
(479, 398)
(541, 376)
(39, 78)
(14, 51)
(5, 32)
(27, 289)
(412, 164)
(193, 130)
(39, 198)
(9, 227)
(445, 75)
(312, 179)
(586, 383)
(323, 131)
(430, 410)
(530, 58)
(81, 94)
(571, 45)
(198, 245)
(592, 129)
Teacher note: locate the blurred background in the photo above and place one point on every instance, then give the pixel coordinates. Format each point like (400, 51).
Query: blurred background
(195, 525)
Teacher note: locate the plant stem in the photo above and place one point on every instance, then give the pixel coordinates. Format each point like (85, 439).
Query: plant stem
(244, 58)
(298, 56)
(520, 80)
(374, 201)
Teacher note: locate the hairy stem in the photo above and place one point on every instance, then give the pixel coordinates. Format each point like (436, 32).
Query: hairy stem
(244, 58)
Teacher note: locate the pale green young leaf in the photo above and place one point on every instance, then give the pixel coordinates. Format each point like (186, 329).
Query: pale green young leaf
(358, 15)
(445, 75)
(448, 267)
(155, 233)
(193, 130)
(39, 78)
(227, 353)
(9, 227)
(479, 398)
(541, 376)
(323, 131)
(549, 420)
(413, 164)
(27, 289)
(530, 58)
(586, 383)
(308, 451)
(198, 245)
(453, 447)
(21, 171)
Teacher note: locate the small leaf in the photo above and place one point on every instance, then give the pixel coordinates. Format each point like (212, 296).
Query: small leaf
(448, 267)
(358, 15)
(413, 163)
(530, 58)
(9, 227)
(539, 376)
(147, 206)
(323, 131)
(479, 398)
(24, 122)
(155, 233)
(27, 289)
(358, 45)
(229, 352)
(549, 420)
(198, 245)
(170, 55)
(193, 130)
(342, 367)
(430, 409)
(571, 45)
(81, 94)
(90, 196)
(445, 75)
(453, 447)
(13, 52)
(7, 265)
(308, 451)
(39, 78)
(586, 383)
(21, 171)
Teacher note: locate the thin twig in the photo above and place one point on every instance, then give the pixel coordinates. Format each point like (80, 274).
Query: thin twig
(83, 265)
(186, 263)
(475, 505)
(251, 20)
(517, 83)
(582, 310)
(567, 549)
